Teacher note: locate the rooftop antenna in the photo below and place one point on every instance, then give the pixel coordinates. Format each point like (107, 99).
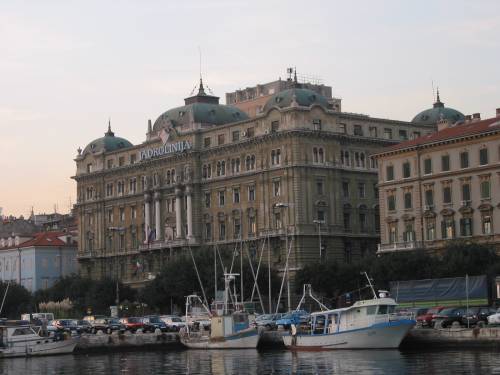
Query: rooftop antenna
(433, 95)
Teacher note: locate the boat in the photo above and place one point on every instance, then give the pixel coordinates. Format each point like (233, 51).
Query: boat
(367, 324)
(229, 329)
(20, 339)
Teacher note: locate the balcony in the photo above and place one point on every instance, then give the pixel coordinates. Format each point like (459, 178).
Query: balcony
(155, 245)
(400, 246)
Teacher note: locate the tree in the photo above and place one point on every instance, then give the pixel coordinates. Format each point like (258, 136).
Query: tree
(17, 300)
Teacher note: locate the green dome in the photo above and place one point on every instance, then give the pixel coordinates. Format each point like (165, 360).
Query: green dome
(200, 108)
(303, 97)
(107, 143)
(438, 112)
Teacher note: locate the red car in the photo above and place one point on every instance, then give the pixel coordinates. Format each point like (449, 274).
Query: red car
(133, 323)
(426, 319)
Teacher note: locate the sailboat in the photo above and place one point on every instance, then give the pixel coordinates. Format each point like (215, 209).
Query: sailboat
(229, 330)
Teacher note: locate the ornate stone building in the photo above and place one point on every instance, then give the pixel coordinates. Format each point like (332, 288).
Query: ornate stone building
(299, 172)
(442, 187)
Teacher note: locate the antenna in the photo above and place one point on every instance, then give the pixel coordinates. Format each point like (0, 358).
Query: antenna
(433, 95)
(199, 52)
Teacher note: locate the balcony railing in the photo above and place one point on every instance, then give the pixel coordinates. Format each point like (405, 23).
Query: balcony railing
(400, 246)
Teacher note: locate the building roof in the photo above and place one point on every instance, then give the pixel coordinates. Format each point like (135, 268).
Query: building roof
(459, 130)
(303, 97)
(107, 143)
(438, 112)
(42, 239)
(202, 109)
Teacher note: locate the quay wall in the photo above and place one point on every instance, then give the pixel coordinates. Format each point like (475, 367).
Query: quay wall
(488, 337)
(127, 340)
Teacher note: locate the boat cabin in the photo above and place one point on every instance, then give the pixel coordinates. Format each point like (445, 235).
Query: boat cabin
(226, 325)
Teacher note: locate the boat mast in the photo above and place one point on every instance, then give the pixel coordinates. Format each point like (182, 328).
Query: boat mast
(371, 285)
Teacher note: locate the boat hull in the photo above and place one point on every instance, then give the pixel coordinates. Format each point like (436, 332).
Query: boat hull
(241, 340)
(378, 336)
(39, 348)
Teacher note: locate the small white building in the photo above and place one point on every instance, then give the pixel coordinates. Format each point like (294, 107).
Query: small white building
(37, 260)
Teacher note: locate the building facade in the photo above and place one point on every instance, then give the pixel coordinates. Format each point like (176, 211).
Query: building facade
(297, 173)
(36, 261)
(441, 187)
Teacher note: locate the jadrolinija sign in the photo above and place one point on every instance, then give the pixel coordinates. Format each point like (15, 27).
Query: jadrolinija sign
(165, 149)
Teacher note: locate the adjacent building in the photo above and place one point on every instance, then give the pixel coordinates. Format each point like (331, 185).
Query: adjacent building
(37, 260)
(443, 186)
(298, 171)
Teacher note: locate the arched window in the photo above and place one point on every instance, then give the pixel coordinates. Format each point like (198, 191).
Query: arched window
(321, 156)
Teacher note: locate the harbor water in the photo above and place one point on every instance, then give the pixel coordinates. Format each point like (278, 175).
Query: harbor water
(260, 362)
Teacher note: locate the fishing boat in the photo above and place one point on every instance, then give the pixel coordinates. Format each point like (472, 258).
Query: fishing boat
(229, 330)
(19, 339)
(367, 324)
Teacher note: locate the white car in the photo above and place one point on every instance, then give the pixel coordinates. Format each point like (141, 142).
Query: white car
(173, 322)
(495, 318)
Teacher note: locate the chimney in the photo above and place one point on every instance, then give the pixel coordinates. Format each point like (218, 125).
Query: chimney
(476, 116)
(468, 118)
(498, 112)
(443, 124)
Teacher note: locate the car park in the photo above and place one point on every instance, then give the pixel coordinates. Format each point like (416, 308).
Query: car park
(477, 315)
(107, 325)
(174, 323)
(448, 316)
(154, 322)
(133, 323)
(83, 326)
(425, 319)
(296, 317)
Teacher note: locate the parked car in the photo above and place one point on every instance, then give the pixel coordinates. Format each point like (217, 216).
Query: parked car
(448, 316)
(476, 315)
(494, 318)
(293, 317)
(412, 311)
(83, 326)
(426, 319)
(267, 320)
(107, 325)
(133, 323)
(174, 323)
(51, 327)
(66, 325)
(153, 322)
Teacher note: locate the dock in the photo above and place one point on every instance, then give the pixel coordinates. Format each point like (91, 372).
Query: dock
(459, 337)
(125, 341)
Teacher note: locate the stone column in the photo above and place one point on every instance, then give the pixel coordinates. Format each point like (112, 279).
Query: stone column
(158, 228)
(147, 215)
(189, 208)
(178, 209)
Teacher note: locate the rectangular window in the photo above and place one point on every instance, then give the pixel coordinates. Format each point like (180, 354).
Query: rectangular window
(389, 171)
(466, 192)
(251, 193)
(208, 231)
(429, 198)
(387, 133)
(277, 220)
(207, 199)
(133, 158)
(222, 198)
(252, 225)
(320, 216)
(276, 188)
(373, 131)
(445, 163)
(430, 229)
(221, 139)
(483, 156)
(250, 132)
(109, 190)
(416, 135)
(345, 189)
(391, 202)
(320, 187)
(110, 163)
(466, 227)
(236, 195)
(122, 214)
(428, 166)
(347, 222)
(408, 203)
(317, 124)
(358, 130)
(275, 125)
(342, 128)
(375, 190)
(485, 189)
(121, 161)
(236, 135)
(409, 233)
(362, 223)
(133, 212)
(486, 224)
(447, 194)
(110, 216)
(403, 134)
(222, 231)
(406, 170)
(361, 190)
(237, 228)
(464, 159)
(207, 141)
(448, 228)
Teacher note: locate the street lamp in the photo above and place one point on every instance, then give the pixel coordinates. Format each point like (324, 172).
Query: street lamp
(319, 222)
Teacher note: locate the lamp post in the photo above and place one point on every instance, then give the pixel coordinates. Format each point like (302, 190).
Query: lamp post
(285, 205)
(319, 222)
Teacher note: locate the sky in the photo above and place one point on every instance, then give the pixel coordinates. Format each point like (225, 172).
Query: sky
(66, 67)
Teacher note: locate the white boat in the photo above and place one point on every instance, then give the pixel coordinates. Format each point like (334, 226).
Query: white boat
(21, 340)
(367, 324)
(229, 330)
